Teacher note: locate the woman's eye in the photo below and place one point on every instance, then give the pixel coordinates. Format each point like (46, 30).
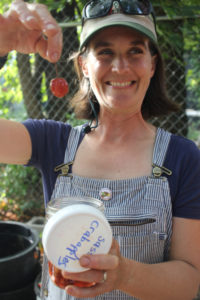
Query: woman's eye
(105, 52)
(136, 51)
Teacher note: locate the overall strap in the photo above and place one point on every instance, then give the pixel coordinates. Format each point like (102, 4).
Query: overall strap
(72, 145)
(160, 149)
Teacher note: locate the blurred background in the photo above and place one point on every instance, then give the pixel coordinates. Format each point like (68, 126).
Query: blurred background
(25, 93)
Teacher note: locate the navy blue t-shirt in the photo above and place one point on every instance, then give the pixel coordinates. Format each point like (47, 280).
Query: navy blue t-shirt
(49, 141)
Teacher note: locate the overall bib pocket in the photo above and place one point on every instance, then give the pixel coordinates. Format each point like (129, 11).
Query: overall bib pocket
(138, 234)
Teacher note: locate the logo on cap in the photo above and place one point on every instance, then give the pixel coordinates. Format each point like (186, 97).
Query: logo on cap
(115, 8)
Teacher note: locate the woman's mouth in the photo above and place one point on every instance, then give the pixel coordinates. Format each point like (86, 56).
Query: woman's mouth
(120, 84)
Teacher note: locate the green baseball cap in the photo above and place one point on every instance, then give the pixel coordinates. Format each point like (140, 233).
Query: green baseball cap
(143, 24)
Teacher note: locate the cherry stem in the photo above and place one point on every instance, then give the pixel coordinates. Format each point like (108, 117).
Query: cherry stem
(56, 68)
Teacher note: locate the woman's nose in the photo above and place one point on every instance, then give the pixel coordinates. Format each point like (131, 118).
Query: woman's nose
(120, 64)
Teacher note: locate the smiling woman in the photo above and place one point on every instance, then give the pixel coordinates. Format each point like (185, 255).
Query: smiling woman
(147, 178)
(119, 70)
(155, 99)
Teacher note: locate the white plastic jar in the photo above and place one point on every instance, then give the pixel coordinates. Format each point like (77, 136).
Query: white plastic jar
(75, 226)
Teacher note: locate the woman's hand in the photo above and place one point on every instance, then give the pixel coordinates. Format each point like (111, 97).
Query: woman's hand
(98, 264)
(30, 28)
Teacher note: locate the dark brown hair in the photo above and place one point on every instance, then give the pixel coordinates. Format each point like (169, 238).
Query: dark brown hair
(156, 101)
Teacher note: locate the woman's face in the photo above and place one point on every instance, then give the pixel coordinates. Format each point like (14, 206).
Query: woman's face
(119, 67)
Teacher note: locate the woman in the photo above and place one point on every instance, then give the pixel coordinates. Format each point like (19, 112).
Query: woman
(149, 175)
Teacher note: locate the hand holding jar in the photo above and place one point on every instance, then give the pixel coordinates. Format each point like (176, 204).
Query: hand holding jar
(106, 270)
(70, 232)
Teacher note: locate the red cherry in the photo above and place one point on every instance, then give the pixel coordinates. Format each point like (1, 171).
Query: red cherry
(59, 87)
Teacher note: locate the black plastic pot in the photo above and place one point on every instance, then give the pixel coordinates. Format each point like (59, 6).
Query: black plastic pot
(25, 293)
(19, 257)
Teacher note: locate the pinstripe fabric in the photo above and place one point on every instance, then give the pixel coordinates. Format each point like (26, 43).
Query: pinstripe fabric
(73, 142)
(161, 145)
(139, 211)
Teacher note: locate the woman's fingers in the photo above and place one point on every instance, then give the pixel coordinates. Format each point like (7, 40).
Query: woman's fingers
(46, 22)
(103, 261)
(49, 48)
(105, 270)
(19, 9)
(100, 261)
(42, 30)
(91, 292)
(87, 276)
(54, 47)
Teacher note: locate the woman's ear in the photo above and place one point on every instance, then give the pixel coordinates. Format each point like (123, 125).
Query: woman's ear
(83, 64)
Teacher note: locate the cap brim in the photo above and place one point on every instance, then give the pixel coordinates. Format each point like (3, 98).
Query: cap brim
(142, 24)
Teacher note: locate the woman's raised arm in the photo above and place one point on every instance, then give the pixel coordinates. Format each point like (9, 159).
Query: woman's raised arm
(26, 28)
(15, 143)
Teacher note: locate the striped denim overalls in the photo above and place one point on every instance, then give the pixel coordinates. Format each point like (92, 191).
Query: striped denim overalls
(139, 210)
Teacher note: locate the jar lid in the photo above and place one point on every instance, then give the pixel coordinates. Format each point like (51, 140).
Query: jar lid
(74, 231)
(57, 203)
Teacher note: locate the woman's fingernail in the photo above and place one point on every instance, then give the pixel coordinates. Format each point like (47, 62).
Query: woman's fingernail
(50, 27)
(84, 261)
(54, 56)
(64, 274)
(30, 18)
(69, 290)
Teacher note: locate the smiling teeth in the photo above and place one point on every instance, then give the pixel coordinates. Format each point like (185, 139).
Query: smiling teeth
(121, 84)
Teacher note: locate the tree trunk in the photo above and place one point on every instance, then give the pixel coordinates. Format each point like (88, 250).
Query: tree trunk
(30, 88)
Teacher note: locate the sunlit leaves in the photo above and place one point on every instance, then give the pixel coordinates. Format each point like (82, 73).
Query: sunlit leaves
(10, 89)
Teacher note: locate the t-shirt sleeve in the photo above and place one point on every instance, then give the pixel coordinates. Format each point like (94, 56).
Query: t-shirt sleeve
(187, 198)
(49, 141)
